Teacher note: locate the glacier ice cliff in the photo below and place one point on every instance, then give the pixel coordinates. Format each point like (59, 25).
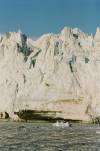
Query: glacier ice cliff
(56, 72)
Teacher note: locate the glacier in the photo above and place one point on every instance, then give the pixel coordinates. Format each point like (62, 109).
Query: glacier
(55, 72)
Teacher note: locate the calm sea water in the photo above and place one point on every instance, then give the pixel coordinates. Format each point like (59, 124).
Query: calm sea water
(39, 136)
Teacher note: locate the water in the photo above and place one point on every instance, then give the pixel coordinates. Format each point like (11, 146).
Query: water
(39, 136)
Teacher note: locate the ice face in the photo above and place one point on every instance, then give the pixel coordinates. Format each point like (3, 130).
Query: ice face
(56, 72)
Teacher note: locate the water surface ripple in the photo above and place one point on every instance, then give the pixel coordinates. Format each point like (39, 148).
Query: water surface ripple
(39, 136)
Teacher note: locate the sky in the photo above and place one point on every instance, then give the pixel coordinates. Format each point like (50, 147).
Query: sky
(35, 17)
